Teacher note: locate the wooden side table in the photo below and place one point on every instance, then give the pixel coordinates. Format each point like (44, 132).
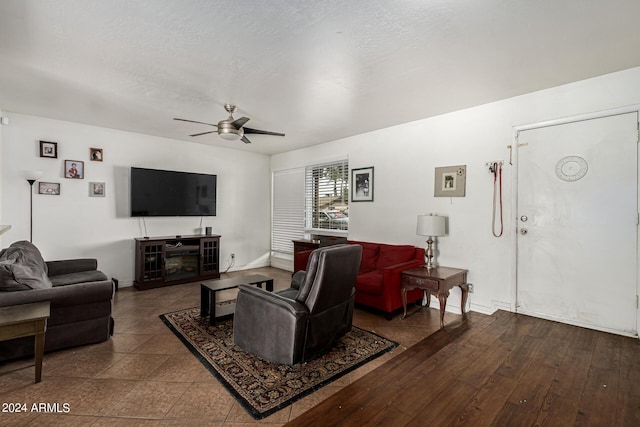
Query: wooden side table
(439, 280)
(26, 320)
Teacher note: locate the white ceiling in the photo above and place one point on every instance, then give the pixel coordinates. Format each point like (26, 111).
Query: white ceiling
(315, 70)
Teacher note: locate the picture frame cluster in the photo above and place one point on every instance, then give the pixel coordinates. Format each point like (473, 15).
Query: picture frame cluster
(73, 169)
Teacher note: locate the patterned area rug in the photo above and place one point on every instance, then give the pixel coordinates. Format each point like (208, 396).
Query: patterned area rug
(263, 387)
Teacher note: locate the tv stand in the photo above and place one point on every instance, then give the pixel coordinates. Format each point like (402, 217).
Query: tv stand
(171, 260)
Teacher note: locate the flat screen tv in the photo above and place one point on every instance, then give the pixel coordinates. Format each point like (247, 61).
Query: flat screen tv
(157, 192)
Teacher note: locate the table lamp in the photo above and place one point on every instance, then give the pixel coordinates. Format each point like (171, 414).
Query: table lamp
(432, 226)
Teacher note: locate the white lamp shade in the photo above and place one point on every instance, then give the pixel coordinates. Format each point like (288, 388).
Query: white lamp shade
(431, 225)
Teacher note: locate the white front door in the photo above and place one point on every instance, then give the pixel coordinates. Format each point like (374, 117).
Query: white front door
(577, 215)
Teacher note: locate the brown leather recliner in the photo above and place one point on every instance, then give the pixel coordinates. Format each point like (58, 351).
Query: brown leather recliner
(296, 325)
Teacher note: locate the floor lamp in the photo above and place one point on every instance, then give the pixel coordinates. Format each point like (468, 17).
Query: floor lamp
(431, 226)
(31, 177)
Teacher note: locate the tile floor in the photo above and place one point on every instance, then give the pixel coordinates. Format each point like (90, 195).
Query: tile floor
(144, 376)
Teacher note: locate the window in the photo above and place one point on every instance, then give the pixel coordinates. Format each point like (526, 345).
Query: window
(327, 196)
(287, 222)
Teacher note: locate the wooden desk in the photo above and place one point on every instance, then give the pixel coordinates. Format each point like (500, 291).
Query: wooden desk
(26, 320)
(299, 260)
(439, 280)
(305, 245)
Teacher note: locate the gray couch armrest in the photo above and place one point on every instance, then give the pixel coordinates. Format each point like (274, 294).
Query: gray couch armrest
(258, 313)
(63, 296)
(67, 266)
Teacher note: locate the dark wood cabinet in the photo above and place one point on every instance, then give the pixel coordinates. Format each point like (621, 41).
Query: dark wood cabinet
(209, 256)
(150, 262)
(305, 245)
(164, 261)
(301, 249)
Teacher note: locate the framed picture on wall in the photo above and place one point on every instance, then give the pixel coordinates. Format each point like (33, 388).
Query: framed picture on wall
(49, 188)
(362, 185)
(95, 154)
(49, 149)
(96, 189)
(450, 181)
(74, 169)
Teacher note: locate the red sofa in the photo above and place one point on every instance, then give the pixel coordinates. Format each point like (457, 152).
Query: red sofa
(378, 282)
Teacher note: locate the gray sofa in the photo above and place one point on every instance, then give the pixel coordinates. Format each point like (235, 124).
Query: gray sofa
(81, 298)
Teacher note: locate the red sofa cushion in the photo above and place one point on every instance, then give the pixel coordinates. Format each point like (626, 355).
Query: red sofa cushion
(371, 282)
(394, 254)
(369, 256)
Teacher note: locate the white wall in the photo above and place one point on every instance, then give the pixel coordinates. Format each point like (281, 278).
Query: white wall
(76, 225)
(1, 222)
(404, 158)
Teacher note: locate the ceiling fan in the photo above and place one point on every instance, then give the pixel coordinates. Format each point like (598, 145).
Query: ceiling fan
(232, 129)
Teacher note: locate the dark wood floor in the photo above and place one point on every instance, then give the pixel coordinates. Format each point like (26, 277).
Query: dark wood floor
(499, 370)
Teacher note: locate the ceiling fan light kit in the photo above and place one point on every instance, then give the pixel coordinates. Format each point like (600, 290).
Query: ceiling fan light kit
(229, 136)
(230, 133)
(232, 129)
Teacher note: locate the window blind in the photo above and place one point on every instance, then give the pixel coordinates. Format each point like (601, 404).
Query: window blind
(287, 222)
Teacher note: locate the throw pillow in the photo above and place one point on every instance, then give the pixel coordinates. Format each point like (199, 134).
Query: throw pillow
(394, 254)
(369, 255)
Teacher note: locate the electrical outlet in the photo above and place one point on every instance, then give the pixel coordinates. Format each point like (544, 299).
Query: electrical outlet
(470, 287)
(233, 256)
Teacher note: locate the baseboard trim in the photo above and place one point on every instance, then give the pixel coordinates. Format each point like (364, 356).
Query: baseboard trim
(281, 263)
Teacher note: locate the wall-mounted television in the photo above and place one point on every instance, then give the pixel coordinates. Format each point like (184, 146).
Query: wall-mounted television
(157, 192)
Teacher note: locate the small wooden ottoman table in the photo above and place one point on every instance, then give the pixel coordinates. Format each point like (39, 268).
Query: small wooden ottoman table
(209, 289)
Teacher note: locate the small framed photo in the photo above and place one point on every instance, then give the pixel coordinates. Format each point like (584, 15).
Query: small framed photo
(95, 154)
(96, 189)
(74, 169)
(49, 149)
(49, 188)
(362, 185)
(450, 181)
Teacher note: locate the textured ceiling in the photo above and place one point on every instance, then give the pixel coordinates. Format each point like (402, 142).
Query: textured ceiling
(315, 70)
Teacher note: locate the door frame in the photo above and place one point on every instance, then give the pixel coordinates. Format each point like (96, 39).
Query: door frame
(514, 196)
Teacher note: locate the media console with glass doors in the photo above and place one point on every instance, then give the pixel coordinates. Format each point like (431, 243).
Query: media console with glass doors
(164, 261)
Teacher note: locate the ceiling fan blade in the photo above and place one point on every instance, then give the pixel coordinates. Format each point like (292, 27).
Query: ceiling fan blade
(262, 132)
(238, 123)
(246, 140)
(204, 133)
(193, 121)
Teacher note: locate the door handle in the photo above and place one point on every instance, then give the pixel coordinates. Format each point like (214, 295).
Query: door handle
(523, 231)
